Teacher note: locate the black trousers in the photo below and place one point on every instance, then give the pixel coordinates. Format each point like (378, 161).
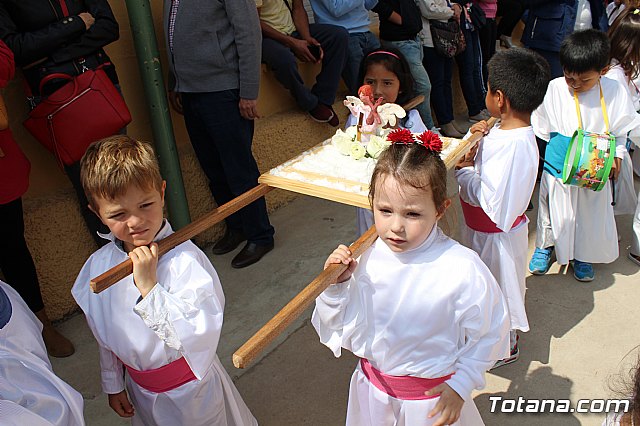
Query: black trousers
(16, 262)
(511, 12)
(222, 140)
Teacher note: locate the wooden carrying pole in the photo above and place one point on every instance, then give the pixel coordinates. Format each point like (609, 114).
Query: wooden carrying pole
(292, 310)
(248, 352)
(122, 270)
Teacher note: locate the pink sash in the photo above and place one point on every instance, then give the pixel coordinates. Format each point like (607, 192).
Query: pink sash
(165, 378)
(401, 387)
(478, 220)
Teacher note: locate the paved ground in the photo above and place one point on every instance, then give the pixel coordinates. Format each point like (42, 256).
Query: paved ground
(579, 333)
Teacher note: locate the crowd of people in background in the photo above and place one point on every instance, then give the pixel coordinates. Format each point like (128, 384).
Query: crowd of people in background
(579, 54)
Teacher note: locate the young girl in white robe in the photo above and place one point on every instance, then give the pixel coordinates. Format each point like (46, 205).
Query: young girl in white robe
(497, 182)
(423, 313)
(162, 324)
(30, 392)
(388, 73)
(625, 68)
(578, 223)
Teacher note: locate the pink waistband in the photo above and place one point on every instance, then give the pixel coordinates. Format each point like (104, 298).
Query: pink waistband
(478, 220)
(401, 387)
(165, 378)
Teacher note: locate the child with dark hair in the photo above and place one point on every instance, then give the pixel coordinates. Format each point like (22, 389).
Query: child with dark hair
(577, 223)
(424, 341)
(400, 26)
(626, 386)
(497, 180)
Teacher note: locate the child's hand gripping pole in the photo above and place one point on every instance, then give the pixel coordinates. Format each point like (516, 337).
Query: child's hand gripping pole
(292, 310)
(118, 272)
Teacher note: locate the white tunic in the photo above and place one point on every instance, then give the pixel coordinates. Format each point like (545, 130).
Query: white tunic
(579, 222)
(501, 183)
(180, 317)
(428, 312)
(30, 393)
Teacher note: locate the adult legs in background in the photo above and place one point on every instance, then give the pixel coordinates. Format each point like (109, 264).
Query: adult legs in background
(511, 11)
(19, 272)
(222, 140)
(359, 45)
(487, 36)
(412, 51)
(470, 72)
(334, 41)
(440, 69)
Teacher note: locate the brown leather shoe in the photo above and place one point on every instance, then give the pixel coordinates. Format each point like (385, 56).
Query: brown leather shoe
(250, 254)
(229, 241)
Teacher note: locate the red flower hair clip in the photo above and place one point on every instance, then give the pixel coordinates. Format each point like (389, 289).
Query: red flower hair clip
(403, 136)
(431, 141)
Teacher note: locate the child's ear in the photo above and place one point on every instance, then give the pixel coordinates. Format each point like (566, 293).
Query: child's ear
(502, 101)
(443, 208)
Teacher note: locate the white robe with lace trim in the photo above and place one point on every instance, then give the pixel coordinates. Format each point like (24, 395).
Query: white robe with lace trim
(501, 183)
(180, 317)
(30, 392)
(428, 312)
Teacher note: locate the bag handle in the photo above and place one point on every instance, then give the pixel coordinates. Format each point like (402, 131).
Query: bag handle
(63, 6)
(602, 104)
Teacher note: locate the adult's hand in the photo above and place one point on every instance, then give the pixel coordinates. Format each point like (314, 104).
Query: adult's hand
(249, 108)
(300, 48)
(175, 99)
(88, 19)
(313, 42)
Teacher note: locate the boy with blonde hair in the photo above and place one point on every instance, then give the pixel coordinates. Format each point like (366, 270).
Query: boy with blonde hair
(161, 324)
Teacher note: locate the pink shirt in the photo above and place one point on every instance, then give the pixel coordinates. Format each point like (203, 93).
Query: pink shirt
(490, 7)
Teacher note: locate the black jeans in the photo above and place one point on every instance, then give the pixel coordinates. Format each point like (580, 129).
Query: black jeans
(511, 12)
(222, 140)
(16, 262)
(440, 70)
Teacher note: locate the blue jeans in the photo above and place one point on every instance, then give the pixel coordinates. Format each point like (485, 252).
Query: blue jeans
(222, 139)
(359, 45)
(470, 72)
(440, 70)
(412, 51)
(281, 60)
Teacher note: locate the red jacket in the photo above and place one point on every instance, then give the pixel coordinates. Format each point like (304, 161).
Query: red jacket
(14, 166)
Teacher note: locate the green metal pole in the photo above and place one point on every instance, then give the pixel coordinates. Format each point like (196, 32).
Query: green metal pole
(144, 38)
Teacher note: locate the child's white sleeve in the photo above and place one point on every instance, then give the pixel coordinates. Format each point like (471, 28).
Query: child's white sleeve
(111, 371)
(540, 120)
(186, 309)
(482, 315)
(328, 317)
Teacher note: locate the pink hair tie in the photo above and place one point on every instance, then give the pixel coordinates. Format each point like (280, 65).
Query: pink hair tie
(384, 52)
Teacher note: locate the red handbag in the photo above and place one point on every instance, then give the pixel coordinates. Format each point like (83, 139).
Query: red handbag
(86, 109)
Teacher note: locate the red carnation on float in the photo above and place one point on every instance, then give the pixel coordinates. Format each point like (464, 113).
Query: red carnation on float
(403, 136)
(431, 141)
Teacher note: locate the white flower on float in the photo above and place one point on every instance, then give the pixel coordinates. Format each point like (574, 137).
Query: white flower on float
(357, 151)
(376, 145)
(342, 142)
